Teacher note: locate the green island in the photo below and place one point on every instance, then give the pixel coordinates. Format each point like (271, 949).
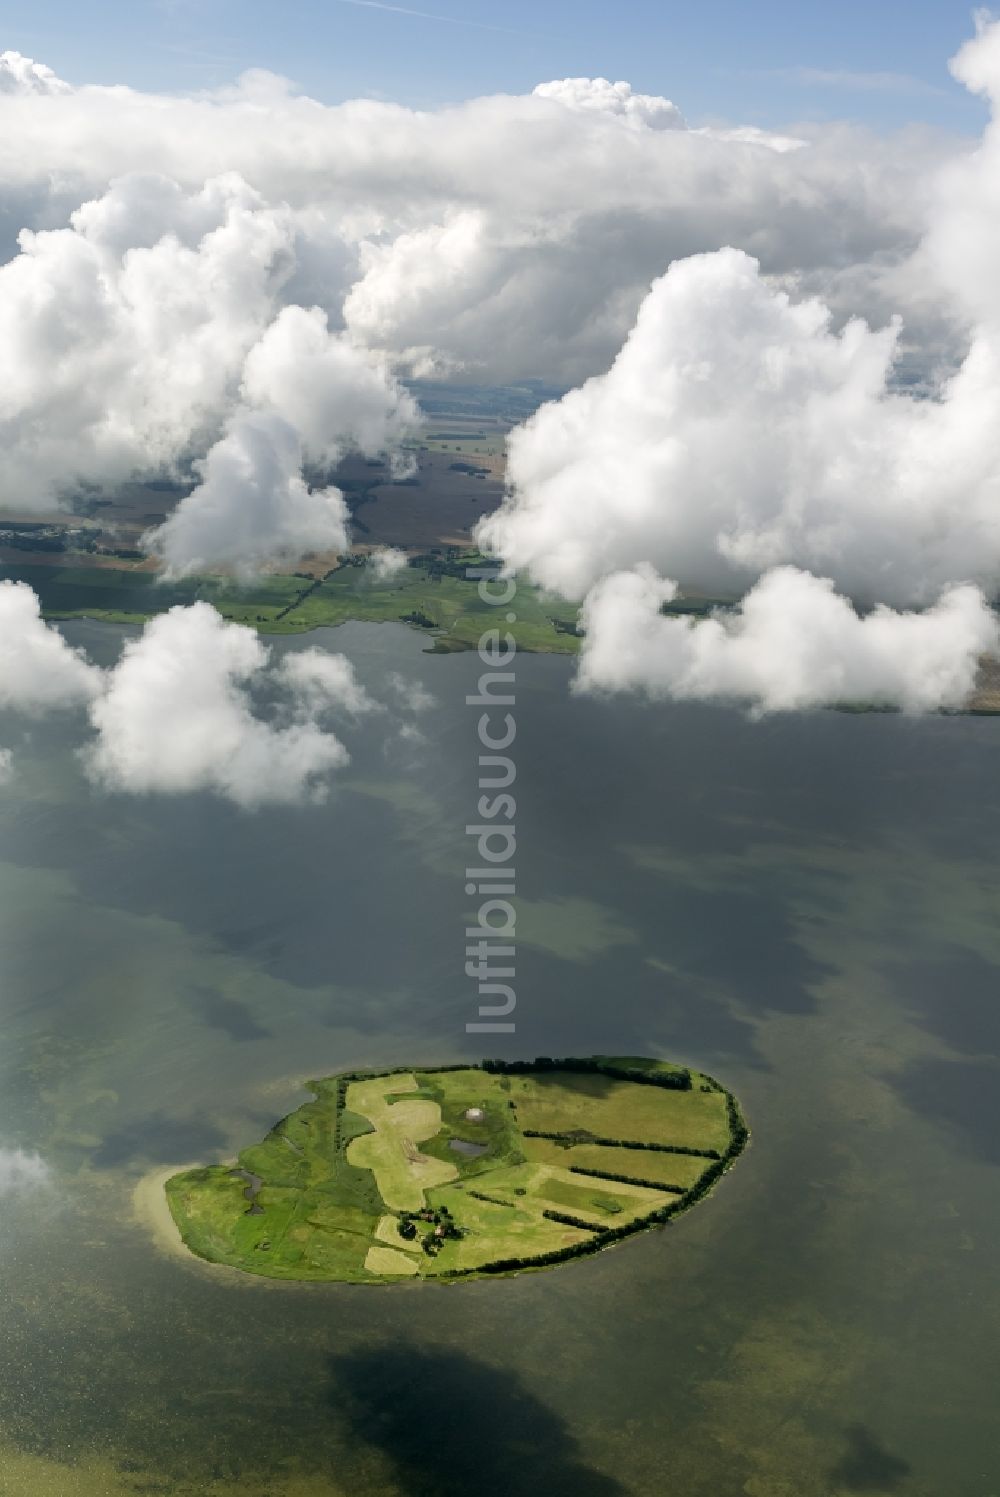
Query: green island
(463, 1170)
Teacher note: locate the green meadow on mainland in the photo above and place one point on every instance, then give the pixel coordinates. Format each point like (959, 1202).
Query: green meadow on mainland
(432, 595)
(463, 1170)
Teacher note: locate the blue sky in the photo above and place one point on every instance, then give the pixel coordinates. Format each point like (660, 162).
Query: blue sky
(770, 63)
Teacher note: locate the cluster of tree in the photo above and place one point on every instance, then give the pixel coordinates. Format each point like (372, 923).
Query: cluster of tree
(675, 1081)
(572, 1221)
(442, 1227)
(583, 1136)
(482, 1196)
(418, 617)
(19, 542)
(338, 1132)
(580, 1169)
(437, 565)
(474, 470)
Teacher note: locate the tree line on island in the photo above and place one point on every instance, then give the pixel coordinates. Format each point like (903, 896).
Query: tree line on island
(678, 1080)
(573, 1136)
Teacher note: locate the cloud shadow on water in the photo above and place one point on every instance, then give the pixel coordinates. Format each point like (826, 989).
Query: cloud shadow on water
(953, 997)
(228, 1014)
(159, 1140)
(964, 1094)
(452, 1426)
(745, 945)
(867, 1466)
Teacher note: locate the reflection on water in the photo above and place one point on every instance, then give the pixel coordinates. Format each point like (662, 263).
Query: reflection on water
(807, 908)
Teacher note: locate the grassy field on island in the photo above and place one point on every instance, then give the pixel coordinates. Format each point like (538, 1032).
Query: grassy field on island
(433, 1173)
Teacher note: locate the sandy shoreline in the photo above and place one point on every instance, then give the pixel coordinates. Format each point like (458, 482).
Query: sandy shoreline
(150, 1210)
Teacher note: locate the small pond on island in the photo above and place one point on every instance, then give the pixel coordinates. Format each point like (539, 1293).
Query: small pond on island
(462, 1146)
(251, 1192)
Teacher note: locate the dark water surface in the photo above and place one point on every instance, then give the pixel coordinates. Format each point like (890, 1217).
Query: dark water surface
(807, 907)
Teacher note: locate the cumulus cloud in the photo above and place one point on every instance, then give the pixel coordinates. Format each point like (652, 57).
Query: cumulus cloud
(224, 284)
(177, 716)
(615, 99)
(320, 682)
(387, 561)
(194, 704)
(738, 432)
(962, 246)
(335, 394)
(413, 694)
(20, 75)
(39, 671)
(123, 336)
(792, 643)
(22, 1170)
(544, 277)
(307, 396)
(150, 335)
(252, 505)
(752, 136)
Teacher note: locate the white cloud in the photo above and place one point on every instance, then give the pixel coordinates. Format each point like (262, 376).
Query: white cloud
(738, 432)
(244, 269)
(962, 247)
(335, 394)
(735, 431)
(123, 336)
(22, 1170)
(412, 694)
(20, 75)
(545, 276)
(178, 716)
(194, 704)
(792, 643)
(39, 671)
(152, 328)
(387, 561)
(251, 506)
(308, 396)
(750, 135)
(321, 682)
(600, 95)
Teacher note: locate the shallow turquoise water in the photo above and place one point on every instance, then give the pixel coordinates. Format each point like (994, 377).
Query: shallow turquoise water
(807, 908)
